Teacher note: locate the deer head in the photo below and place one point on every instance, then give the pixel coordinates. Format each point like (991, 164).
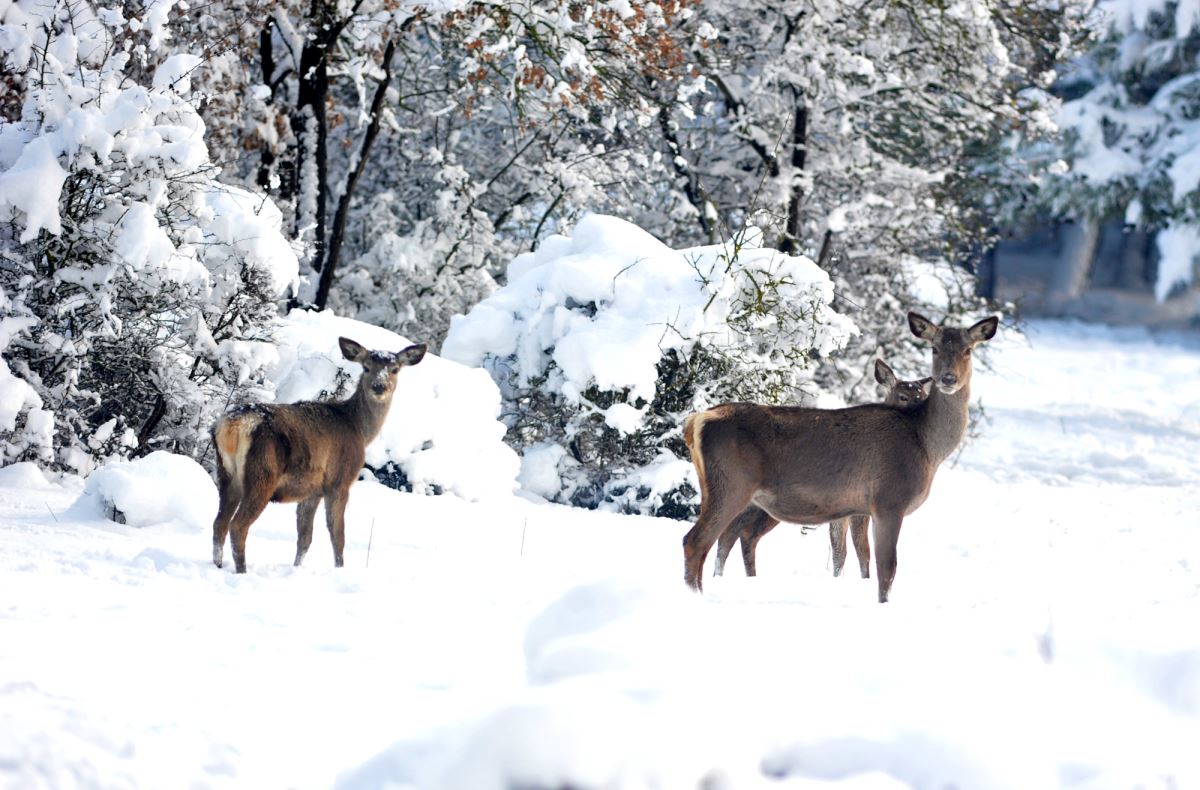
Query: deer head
(380, 368)
(903, 394)
(951, 349)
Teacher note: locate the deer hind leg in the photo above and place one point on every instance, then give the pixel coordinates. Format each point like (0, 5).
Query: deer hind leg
(306, 511)
(760, 524)
(728, 538)
(750, 525)
(258, 490)
(335, 519)
(887, 534)
(862, 547)
(837, 543)
(230, 496)
(713, 521)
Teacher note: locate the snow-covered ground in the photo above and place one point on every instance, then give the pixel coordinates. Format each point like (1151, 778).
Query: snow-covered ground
(1044, 629)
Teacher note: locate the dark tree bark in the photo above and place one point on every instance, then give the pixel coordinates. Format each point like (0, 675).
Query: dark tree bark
(790, 243)
(266, 57)
(691, 185)
(338, 232)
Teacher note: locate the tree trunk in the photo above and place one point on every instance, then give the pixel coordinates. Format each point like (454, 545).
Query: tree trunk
(338, 233)
(790, 243)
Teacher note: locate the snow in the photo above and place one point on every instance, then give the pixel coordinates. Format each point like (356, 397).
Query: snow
(1177, 247)
(1040, 632)
(442, 428)
(32, 185)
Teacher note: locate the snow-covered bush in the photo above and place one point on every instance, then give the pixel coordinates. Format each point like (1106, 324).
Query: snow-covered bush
(141, 292)
(154, 489)
(604, 341)
(442, 432)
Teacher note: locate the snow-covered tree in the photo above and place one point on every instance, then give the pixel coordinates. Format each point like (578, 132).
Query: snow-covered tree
(1131, 131)
(140, 292)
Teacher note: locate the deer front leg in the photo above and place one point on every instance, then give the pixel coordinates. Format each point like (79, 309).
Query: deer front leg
(306, 511)
(862, 547)
(887, 534)
(335, 519)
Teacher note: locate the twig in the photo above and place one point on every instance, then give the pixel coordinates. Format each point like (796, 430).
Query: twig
(523, 528)
(47, 504)
(370, 538)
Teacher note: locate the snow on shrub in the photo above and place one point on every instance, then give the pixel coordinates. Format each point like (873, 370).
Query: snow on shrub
(602, 342)
(442, 431)
(158, 488)
(145, 288)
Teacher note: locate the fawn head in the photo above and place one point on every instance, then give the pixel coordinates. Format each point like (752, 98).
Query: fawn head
(903, 394)
(380, 368)
(951, 349)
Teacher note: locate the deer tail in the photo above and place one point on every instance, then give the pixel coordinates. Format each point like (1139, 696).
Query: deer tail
(693, 428)
(232, 438)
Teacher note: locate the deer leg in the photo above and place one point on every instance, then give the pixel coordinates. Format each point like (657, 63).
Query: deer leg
(724, 546)
(229, 505)
(306, 511)
(837, 542)
(887, 534)
(335, 519)
(858, 534)
(759, 524)
(730, 537)
(714, 520)
(254, 502)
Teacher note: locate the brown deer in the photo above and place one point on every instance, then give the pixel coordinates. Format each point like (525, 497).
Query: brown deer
(811, 466)
(301, 452)
(750, 527)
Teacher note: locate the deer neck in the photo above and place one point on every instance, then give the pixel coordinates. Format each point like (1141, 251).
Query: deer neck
(366, 413)
(944, 422)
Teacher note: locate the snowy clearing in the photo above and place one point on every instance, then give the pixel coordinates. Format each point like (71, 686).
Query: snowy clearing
(1042, 631)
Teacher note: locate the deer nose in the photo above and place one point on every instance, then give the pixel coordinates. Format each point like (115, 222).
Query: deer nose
(379, 388)
(949, 380)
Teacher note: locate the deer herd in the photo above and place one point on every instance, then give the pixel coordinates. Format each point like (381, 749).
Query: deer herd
(757, 465)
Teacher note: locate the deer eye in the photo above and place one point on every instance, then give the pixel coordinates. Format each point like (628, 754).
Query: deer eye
(968, 352)
(904, 399)
(393, 368)
(935, 352)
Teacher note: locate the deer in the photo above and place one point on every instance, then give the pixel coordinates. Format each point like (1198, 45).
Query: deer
(301, 452)
(903, 395)
(812, 466)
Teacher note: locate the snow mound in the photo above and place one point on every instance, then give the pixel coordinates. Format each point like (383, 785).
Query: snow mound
(158, 488)
(25, 475)
(442, 430)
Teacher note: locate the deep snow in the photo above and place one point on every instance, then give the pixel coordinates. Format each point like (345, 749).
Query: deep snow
(1043, 629)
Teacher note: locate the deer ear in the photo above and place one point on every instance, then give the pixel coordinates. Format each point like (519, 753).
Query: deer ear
(884, 374)
(411, 355)
(984, 330)
(925, 385)
(352, 351)
(922, 327)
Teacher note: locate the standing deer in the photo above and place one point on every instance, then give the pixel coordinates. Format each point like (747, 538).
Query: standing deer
(301, 452)
(811, 466)
(750, 527)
